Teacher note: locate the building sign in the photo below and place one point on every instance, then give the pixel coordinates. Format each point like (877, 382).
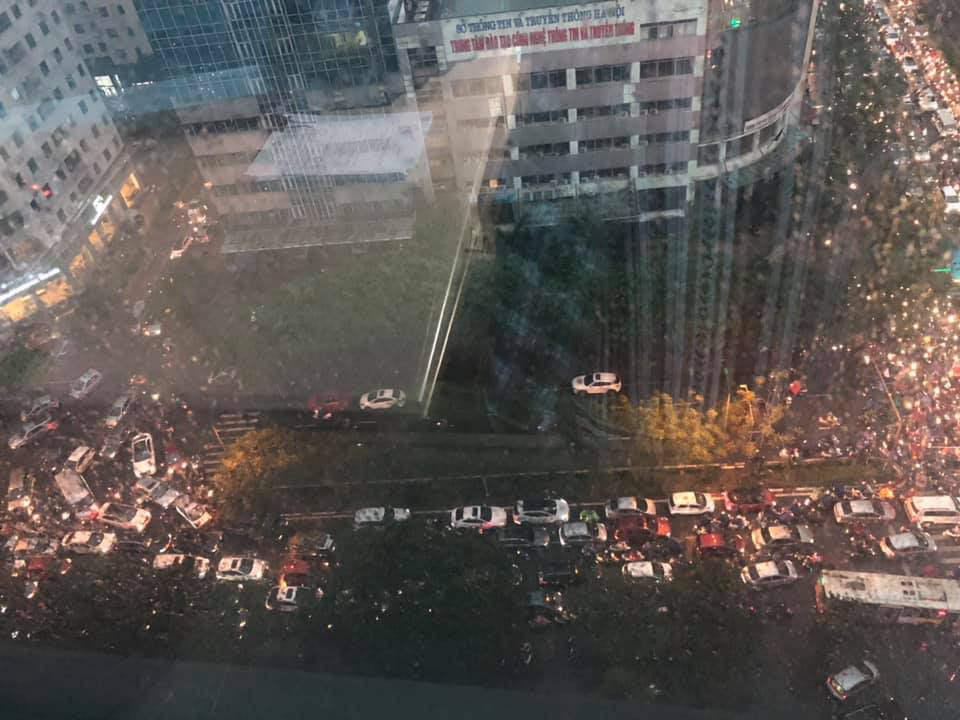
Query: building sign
(577, 25)
(99, 205)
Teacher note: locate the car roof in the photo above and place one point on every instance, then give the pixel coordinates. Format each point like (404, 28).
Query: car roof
(863, 506)
(850, 677)
(369, 514)
(709, 540)
(79, 453)
(934, 502)
(575, 528)
(684, 498)
(628, 502)
(767, 569)
(903, 541)
(780, 531)
(537, 503)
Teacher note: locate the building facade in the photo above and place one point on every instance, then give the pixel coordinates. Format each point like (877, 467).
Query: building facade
(66, 183)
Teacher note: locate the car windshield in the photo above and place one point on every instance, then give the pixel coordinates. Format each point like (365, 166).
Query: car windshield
(141, 450)
(245, 566)
(486, 513)
(123, 514)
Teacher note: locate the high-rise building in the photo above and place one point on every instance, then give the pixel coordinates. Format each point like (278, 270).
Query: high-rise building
(66, 179)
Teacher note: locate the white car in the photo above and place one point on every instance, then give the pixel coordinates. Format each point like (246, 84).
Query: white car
(922, 155)
(168, 561)
(31, 431)
(909, 64)
(582, 533)
(156, 491)
(951, 201)
(542, 511)
(119, 408)
(284, 598)
(384, 399)
(598, 383)
(863, 511)
(782, 537)
(907, 544)
(852, 680)
(478, 517)
(196, 514)
(80, 459)
(769, 574)
(648, 569)
(89, 542)
(125, 517)
(629, 505)
(891, 37)
(237, 569)
(144, 459)
(40, 407)
(376, 516)
(690, 503)
(85, 384)
(153, 329)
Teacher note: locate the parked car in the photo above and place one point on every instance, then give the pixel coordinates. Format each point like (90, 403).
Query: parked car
(648, 569)
(196, 514)
(852, 680)
(582, 533)
(238, 569)
(863, 511)
(635, 530)
(80, 459)
(113, 443)
(89, 542)
(85, 384)
(907, 544)
(20, 492)
(31, 431)
(200, 566)
(326, 404)
(157, 491)
(290, 598)
(769, 574)
(718, 545)
(542, 511)
(144, 458)
(747, 499)
(384, 399)
(690, 503)
(524, 536)
(927, 510)
(134, 547)
(125, 517)
(630, 505)
(561, 574)
(478, 517)
(951, 201)
(77, 494)
(40, 407)
(599, 383)
(379, 516)
(23, 546)
(781, 537)
(119, 408)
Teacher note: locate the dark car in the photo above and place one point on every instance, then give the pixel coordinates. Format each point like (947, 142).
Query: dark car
(747, 499)
(523, 536)
(325, 405)
(191, 542)
(562, 573)
(635, 530)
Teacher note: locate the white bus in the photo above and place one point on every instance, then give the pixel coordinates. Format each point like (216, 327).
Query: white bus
(891, 598)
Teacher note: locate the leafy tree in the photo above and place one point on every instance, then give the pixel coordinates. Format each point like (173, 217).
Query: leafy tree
(274, 456)
(688, 640)
(418, 602)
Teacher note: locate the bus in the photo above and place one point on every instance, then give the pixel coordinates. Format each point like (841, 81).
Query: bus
(891, 598)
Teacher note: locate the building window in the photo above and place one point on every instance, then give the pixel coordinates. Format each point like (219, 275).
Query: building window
(44, 28)
(15, 9)
(111, 33)
(107, 155)
(57, 55)
(47, 150)
(545, 150)
(103, 12)
(619, 110)
(32, 164)
(67, 44)
(61, 216)
(617, 173)
(61, 175)
(55, 16)
(96, 168)
(102, 46)
(84, 145)
(477, 86)
(4, 155)
(541, 80)
(83, 107)
(130, 33)
(44, 68)
(95, 130)
(3, 111)
(32, 122)
(542, 118)
(31, 42)
(603, 74)
(17, 139)
(120, 10)
(79, 28)
(606, 143)
(88, 48)
(80, 71)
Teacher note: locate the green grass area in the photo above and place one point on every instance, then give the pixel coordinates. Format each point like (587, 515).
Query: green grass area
(19, 366)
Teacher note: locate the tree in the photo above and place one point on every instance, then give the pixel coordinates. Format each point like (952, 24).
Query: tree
(688, 640)
(418, 602)
(262, 459)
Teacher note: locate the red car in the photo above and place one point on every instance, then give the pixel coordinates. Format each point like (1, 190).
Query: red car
(748, 499)
(718, 545)
(638, 529)
(324, 405)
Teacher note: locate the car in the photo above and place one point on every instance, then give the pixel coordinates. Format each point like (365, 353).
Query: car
(927, 510)
(863, 511)
(747, 499)
(922, 155)
(125, 517)
(927, 101)
(909, 64)
(648, 569)
(951, 202)
(181, 247)
(561, 574)
(690, 503)
(852, 680)
(907, 544)
(40, 407)
(85, 384)
(325, 404)
(478, 517)
(20, 491)
(582, 533)
(383, 399)
(77, 494)
(718, 545)
(524, 536)
(196, 514)
(144, 458)
(770, 574)
(541, 511)
(289, 598)
(133, 547)
(199, 566)
(31, 431)
(891, 37)
(21, 546)
(119, 408)
(113, 443)
(598, 383)
(781, 537)
(89, 542)
(189, 542)
(80, 459)
(629, 505)
(156, 491)
(151, 329)
(635, 530)
(379, 516)
(238, 569)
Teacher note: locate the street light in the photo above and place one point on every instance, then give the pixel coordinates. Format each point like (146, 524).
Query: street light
(867, 360)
